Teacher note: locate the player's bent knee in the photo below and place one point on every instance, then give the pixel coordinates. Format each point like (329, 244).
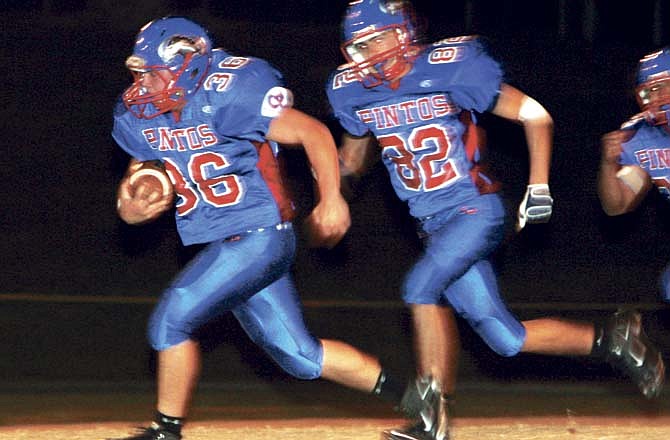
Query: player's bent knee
(299, 365)
(410, 298)
(502, 339)
(161, 339)
(162, 333)
(304, 371)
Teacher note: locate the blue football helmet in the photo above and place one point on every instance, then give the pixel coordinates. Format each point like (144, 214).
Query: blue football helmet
(177, 45)
(365, 20)
(653, 86)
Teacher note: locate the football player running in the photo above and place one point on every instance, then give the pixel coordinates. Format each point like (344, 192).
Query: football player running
(633, 158)
(412, 99)
(215, 120)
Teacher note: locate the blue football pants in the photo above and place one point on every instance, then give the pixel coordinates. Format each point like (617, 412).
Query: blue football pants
(249, 276)
(454, 269)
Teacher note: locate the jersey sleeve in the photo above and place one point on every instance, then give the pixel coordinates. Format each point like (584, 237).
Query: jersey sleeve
(476, 80)
(341, 109)
(257, 97)
(350, 123)
(122, 133)
(638, 141)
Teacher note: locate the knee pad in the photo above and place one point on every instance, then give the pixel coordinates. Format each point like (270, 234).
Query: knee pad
(162, 333)
(504, 339)
(476, 298)
(300, 362)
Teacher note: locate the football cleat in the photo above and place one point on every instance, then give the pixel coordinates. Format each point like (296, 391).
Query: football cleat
(154, 432)
(629, 350)
(424, 403)
(412, 432)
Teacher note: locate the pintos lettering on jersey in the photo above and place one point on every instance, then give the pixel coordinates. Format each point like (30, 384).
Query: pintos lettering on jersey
(180, 139)
(409, 112)
(654, 158)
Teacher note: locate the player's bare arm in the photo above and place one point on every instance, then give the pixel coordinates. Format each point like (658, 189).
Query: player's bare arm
(330, 219)
(538, 126)
(621, 188)
(513, 104)
(142, 204)
(356, 155)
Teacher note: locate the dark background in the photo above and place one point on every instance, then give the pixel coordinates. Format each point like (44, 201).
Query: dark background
(77, 282)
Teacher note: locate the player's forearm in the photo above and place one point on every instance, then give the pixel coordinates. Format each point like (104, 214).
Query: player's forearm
(611, 191)
(611, 200)
(354, 155)
(538, 127)
(293, 128)
(539, 137)
(328, 185)
(322, 155)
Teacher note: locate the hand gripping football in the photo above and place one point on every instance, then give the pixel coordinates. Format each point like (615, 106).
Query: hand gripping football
(152, 176)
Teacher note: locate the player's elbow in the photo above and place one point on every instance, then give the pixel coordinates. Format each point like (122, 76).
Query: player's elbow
(532, 112)
(319, 130)
(610, 207)
(316, 138)
(610, 212)
(613, 211)
(544, 122)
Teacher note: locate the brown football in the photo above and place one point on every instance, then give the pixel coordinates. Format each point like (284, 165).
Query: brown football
(154, 177)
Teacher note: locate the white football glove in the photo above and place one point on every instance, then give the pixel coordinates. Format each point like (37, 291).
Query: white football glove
(536, 205)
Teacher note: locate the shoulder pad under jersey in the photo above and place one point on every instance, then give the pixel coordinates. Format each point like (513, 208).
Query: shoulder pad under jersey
(634, 122)
(343, 77)
(119, 108)
(462, 67)
(454, 49)
(462, 40)
(227, 69)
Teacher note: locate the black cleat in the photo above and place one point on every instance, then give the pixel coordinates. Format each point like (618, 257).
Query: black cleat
(424, 403)
(412, 432)
(154, 432)
(629, 350)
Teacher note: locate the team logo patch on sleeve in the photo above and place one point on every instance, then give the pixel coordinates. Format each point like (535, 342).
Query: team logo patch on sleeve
(276, 99)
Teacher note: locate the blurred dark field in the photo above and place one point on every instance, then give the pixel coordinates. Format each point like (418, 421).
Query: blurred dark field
(64, 69)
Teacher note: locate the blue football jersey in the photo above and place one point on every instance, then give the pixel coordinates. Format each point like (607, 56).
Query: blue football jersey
(649, 148)
(212, 153)
(418, 125)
